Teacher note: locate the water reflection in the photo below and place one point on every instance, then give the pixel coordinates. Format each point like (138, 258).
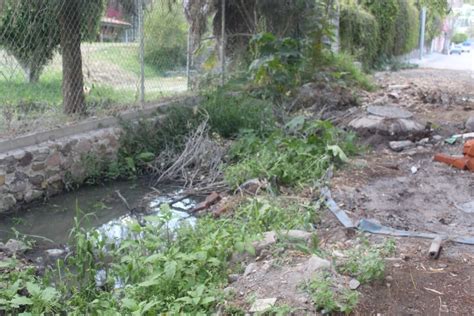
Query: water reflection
(119, 229)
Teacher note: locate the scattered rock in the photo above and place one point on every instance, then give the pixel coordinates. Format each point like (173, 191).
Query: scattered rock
(26, 159)
(253, 186)
(233, 278)
(269, 239)
(229, 291)
(7, 201)
(354, 284)
(394, 95)
(55, 253)
(414, 169)
(401, 145)
(313, 265)
(424, 141)
(437, 138)
(251, 268)
(470, 124)
(33, 195)
(262, 305)
(396, 129)
(298, 234)
(14, 246)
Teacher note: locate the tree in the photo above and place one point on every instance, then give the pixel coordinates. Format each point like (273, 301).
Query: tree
(77, 20)
(33, 30)
(459, 38)
(28, 32)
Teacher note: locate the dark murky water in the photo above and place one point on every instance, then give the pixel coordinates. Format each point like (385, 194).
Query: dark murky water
(55, 219)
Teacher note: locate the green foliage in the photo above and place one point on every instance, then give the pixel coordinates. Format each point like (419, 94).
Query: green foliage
(366, 263)
(407, 28)
(299, 155)
(166, 36)
(459, 38)
(386, 12)
(344, 69)
(29, 30)
(21, 290)
(276, 64)
(437, 11)
(326, 296)
(229, 113)
(141, 142)
(359, 33)
(159, 270)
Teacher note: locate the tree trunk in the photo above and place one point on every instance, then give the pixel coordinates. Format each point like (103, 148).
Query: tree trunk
(73, 79)
(32, 73)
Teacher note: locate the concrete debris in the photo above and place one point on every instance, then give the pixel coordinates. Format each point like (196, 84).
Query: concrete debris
(397, 129)
(401, 145)
(262, 305)
(470, 124)
(391, 112)
(354, 284)
(55, 253)
(435, 247)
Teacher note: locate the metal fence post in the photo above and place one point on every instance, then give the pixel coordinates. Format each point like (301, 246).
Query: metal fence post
(141, 19)
(223, 43)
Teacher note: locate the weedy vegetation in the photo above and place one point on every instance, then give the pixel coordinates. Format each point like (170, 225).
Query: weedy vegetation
(366, 263)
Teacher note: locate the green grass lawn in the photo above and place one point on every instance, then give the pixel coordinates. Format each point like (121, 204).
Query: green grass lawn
(126, 56)
(111, 71)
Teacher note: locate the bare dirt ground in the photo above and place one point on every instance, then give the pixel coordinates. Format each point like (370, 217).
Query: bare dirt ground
(384, 186)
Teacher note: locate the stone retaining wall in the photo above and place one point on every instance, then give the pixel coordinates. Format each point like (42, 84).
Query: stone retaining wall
(40, 171)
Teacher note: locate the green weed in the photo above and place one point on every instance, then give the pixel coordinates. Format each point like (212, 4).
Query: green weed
(297, 156)
(157, 270)
(230, 113)
(327, 297)
(366, 263)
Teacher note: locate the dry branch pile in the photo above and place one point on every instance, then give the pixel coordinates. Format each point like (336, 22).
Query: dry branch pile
(198, 166)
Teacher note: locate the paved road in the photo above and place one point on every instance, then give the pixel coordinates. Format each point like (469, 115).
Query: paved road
(464, 61)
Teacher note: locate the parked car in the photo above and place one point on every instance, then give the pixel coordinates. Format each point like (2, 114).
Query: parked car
(466, 47)
(456, 50)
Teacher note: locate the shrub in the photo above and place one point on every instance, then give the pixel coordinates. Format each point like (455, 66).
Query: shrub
(166, 33)
(343, 66)
(359, 33)
(386, 12)
(366, 263)
(325, 295)
(229, 114)
(407, 28)
(459, 38)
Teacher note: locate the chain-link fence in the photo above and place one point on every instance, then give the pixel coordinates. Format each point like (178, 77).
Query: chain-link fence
(61, 59)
